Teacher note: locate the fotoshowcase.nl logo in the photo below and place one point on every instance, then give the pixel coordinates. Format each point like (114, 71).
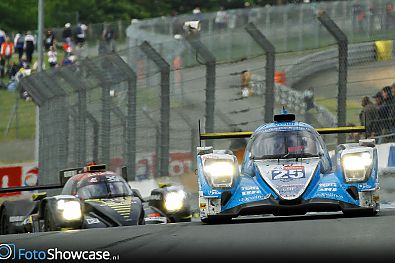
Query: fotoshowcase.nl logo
(11, 252)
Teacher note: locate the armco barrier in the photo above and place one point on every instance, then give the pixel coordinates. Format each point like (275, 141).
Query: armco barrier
(324, 60)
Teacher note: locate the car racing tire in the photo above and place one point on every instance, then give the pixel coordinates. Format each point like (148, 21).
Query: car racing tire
(213, 220)
(5, 226)
(142, 216)
(189, 219)
(360, 212)
(49, 224)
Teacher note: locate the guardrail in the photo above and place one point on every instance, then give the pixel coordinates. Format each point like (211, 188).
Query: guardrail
(308, 66)
(324, 60)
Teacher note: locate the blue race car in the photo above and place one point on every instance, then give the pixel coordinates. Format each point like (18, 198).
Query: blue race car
(287, 170)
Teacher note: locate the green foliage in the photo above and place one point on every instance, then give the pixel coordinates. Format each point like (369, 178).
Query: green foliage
(21, 15)
(25, 116)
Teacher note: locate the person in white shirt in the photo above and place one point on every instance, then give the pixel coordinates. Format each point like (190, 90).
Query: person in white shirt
(52, 57)
(19, 43)
(30, 43)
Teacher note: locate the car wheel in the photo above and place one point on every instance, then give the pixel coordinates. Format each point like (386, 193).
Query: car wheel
(49, 224)
(216, 220)
(4, 223)
(360, 212)
(189, 219)
(141, 219)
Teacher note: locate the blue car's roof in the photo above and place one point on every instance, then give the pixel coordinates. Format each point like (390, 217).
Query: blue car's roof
(285, 126)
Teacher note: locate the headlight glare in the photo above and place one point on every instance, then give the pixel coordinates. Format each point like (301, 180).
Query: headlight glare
(220, 173)
(71, 210)
(356, 166)
(174, 201)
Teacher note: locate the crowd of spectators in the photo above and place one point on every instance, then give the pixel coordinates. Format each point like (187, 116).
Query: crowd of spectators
(378, 115)
(368, 16)
(17, 52)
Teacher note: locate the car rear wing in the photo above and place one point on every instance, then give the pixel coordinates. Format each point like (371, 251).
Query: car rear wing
(64, 175)
(233, 135)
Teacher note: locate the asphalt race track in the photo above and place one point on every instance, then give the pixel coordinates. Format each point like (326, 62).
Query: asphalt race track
(313, 237)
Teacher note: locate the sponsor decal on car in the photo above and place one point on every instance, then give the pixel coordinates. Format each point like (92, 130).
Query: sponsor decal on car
(288, 173)
(254, 198)
(330, 195)
(91, 221)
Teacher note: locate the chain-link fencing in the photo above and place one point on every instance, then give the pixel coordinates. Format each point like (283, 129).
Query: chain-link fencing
(291, 27)
(110, 108)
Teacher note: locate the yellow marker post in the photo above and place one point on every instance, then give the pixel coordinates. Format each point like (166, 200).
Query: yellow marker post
(384, 49)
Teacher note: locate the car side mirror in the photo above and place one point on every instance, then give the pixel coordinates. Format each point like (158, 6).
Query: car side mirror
(137, 193)
(39, 196)
(124, 173)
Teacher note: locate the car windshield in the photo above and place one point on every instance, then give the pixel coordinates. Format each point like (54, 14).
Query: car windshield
(285, 144)
(101, 187)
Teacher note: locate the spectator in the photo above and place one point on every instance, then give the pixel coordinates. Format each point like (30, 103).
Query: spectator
(29, 46)
(13, 70)
(308, 97)
(378, 104)
(2, 37)
(246, 83)
(176, 25)
(221, 19)
(197, 14)
(368, 116)
(80, 34)
(386, 110)
(7, 49)
(69, 58)
(66, 36)
(108, 37)
(52, 57)
(237, 146)
(358, 14)
(49, 40)
(19, 43)
(389, 15)
(393, 89)
(23, 63)
(355, 136)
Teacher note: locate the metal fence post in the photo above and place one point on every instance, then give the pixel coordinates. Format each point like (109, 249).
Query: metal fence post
(194, 136)
(95, 128)
(164, 67)
(68, 75)
(267, 17)
(61, 116)
(42, 98)
(210, 62)
(131, 118)
(270, 51)
(301, 27)
(105, 132)
(286, 27)
(342, 43)
(157, 141)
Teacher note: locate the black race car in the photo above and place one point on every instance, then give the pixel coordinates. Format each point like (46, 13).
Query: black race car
(91, 197)
(173, 201)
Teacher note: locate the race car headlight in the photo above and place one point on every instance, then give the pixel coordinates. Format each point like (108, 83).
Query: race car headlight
(71, 210)
(356, 166)
(220, 173)
(174, 201)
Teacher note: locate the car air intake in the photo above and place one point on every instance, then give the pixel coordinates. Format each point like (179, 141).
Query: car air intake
(352, 190)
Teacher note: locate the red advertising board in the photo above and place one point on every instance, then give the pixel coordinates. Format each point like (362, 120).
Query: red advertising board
(10, 177)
